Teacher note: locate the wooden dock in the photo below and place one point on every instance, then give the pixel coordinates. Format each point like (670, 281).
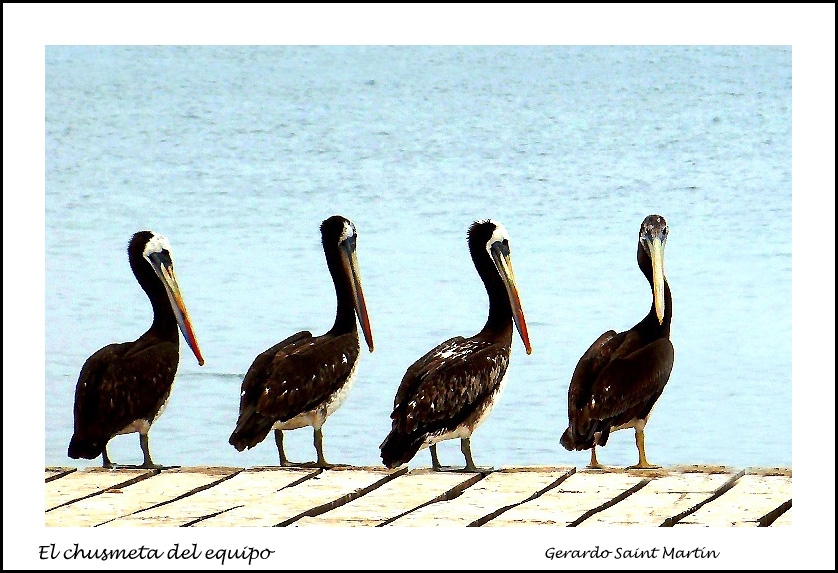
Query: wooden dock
(681, 496)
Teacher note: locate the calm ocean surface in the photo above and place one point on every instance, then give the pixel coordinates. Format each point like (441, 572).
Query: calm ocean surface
(237, 154)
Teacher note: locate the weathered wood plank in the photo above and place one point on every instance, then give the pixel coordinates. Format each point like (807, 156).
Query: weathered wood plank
(292, 503)
(581, 492)
(90, 481)
(396, 497)
(752, 497)
(242, 488)
(662, 498)
(497, 490)
(118, 502)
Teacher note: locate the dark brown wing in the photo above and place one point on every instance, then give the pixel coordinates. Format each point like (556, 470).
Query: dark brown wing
(300, 380)
(290, 378)
(420, 369)
(448, 384)
(580, 431)
(119, 384)
(619, 378)
(630, 384)
(258, 375)
(587, 370)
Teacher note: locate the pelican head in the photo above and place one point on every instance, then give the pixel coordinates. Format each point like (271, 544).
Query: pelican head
(347, 237)
(158, 253)
(497, 246)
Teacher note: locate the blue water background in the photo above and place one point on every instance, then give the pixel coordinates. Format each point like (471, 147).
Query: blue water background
(237, 154)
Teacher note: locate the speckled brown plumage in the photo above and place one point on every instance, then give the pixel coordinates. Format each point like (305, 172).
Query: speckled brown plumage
(443, 382)
(449, 391)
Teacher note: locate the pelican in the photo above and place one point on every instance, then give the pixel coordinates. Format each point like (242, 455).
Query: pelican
(123, 388)
(302, 380)
(451, 390)
(620, 377)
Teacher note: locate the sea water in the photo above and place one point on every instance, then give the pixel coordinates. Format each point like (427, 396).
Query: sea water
(237, 154)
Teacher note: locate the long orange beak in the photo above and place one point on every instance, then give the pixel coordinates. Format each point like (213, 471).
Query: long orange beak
(503, 262)
(348, 249)
(166, 272)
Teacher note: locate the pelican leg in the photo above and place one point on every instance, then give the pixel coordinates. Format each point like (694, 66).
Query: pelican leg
(283, 459)
(465, 447)
(147, 463)
(434, 458)
(106, 461)
(594, 465)
(640, 440)
(318, 445)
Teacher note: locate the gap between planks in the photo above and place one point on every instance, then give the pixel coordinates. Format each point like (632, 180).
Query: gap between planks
(298, 481)
(119, 485)
(490, 516)
(344, 499)
(179, 497)
(452, 493)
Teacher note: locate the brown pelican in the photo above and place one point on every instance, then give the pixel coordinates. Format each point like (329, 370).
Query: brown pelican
(448, 392)
(302, 380)
(620, 377)
(124, 388)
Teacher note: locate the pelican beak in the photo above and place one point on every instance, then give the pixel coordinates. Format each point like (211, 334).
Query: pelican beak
(348, 248)
(163, 267)
(503, 262)
(656, 254)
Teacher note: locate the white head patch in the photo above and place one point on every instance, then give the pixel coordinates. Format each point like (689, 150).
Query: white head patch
(499, 235)
(348, 231)
(156, 244)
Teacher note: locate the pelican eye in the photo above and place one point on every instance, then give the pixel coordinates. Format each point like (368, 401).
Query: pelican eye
(503, 246)
(347, 233)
